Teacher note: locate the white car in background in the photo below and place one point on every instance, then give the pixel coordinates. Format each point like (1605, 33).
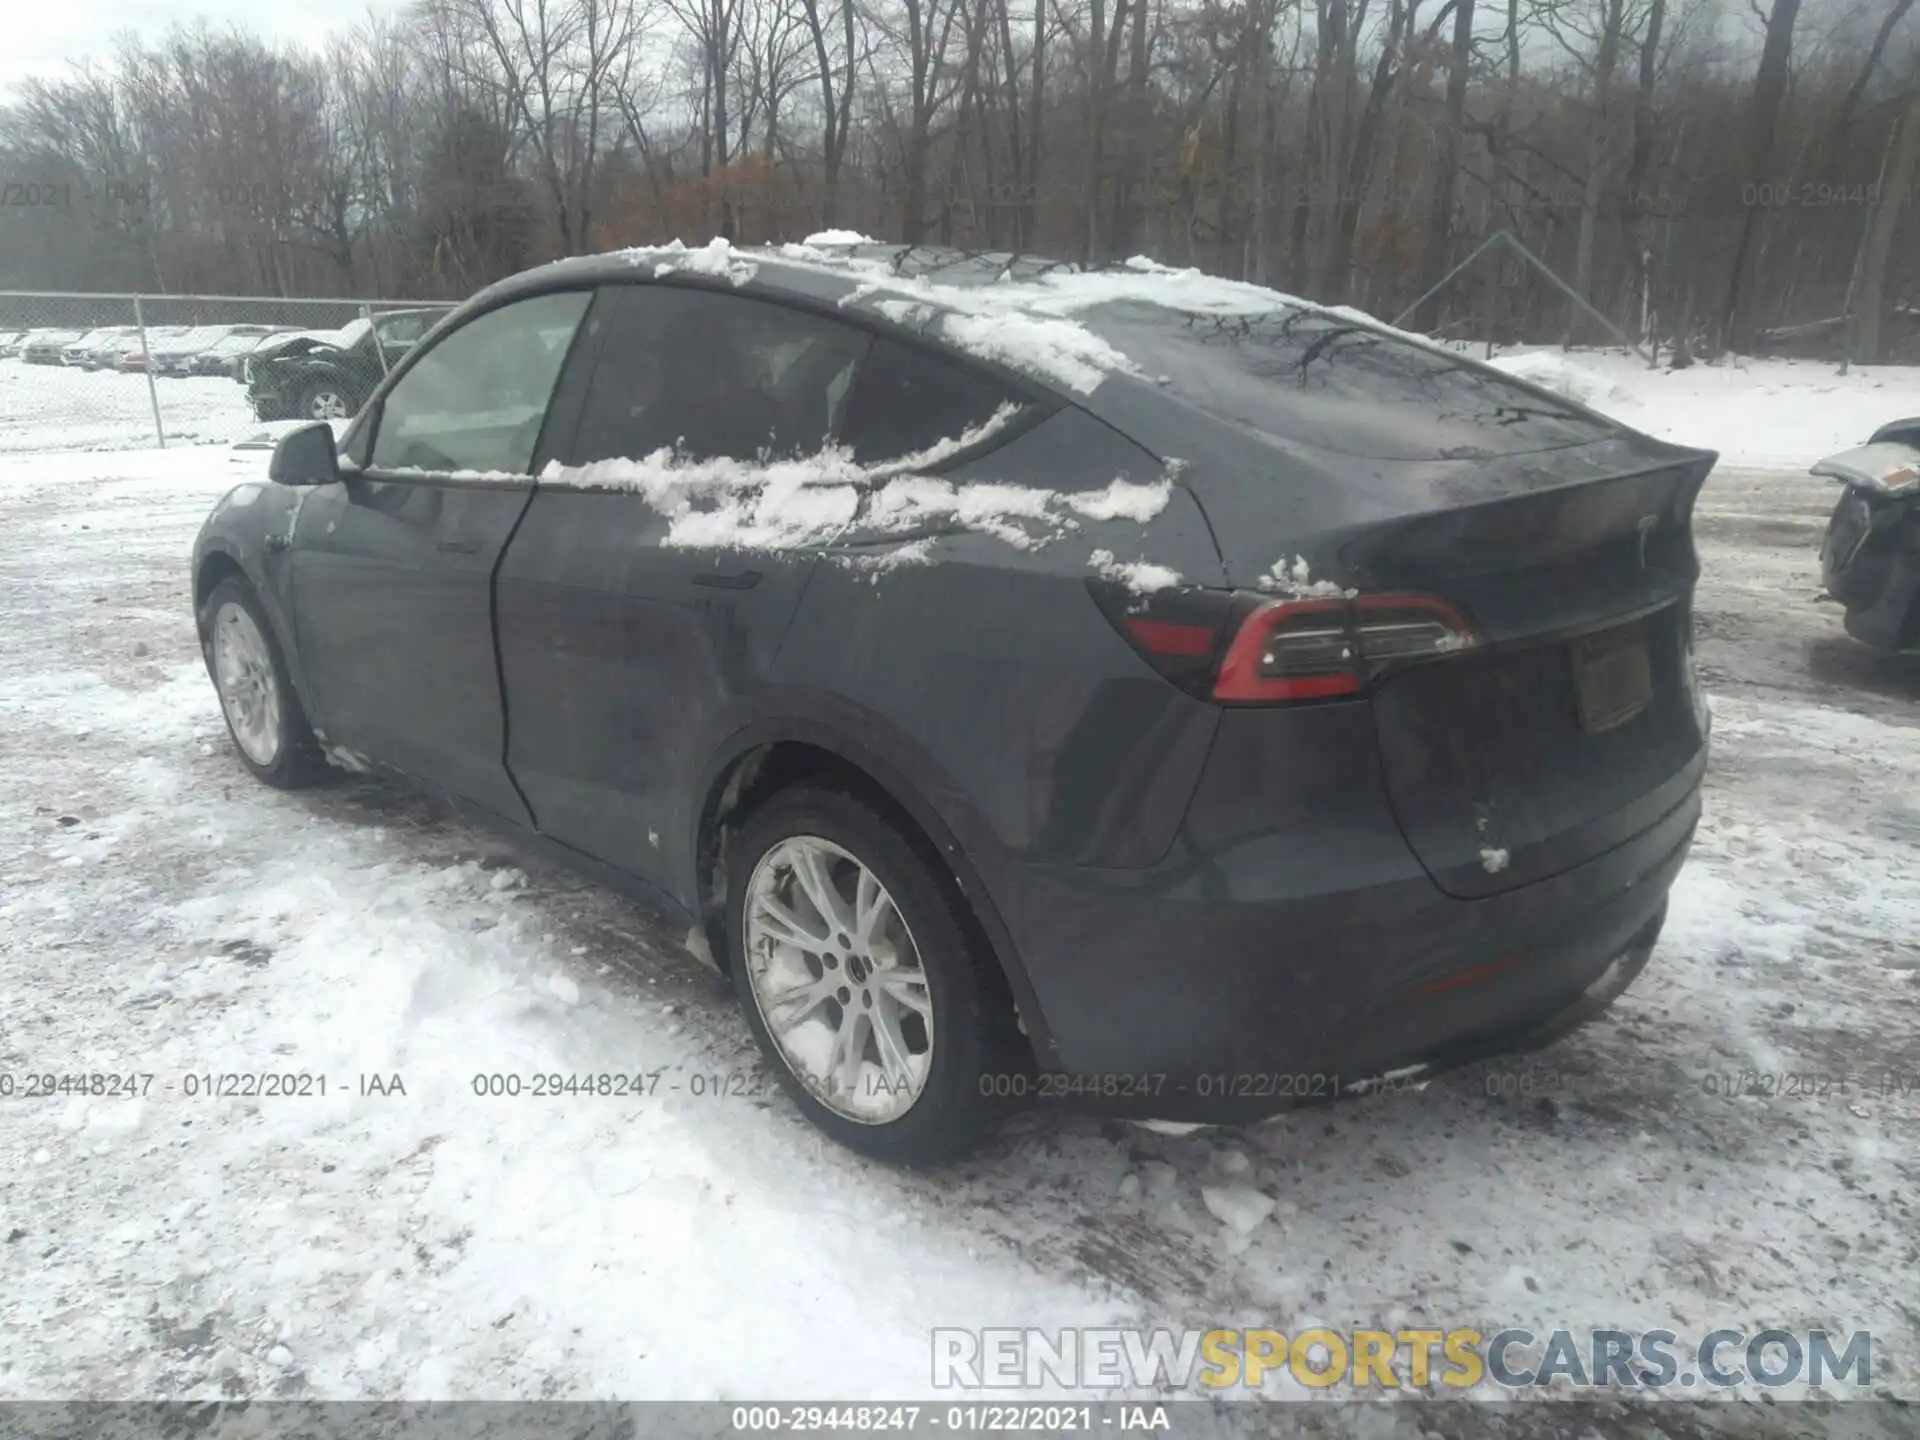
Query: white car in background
(82, 353)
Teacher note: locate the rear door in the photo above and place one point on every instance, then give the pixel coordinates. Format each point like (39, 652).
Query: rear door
(644, 598)
(392, 567)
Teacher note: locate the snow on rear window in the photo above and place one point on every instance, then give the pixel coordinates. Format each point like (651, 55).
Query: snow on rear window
(1332, 383)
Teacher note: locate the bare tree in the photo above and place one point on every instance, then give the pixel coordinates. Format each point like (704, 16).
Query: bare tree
(1763, 118)
(1867, 306)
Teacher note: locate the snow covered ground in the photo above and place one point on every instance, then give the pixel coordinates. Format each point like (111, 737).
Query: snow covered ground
(1756, 413)
(162, 913)
(51, 407)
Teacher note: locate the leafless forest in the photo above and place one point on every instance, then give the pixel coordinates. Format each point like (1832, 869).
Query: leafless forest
(1735, 172)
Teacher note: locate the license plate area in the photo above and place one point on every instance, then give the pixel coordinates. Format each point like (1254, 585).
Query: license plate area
(1612, 677)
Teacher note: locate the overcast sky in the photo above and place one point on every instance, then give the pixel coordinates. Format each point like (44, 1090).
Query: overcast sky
(43, 36)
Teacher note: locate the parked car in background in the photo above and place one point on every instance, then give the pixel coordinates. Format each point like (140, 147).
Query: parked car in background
(106, 356)
(224, 357)
(322, 375)
(1870, 557)
(80, 352)
(44, 347)
(175, 356)
(1361, 741)
(135, 358)
(10, 342)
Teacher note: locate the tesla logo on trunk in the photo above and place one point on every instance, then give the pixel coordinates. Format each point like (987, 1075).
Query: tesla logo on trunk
(1648, 524)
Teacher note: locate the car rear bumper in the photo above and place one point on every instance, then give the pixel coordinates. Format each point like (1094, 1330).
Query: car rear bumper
(1185, 993)
(266, 397)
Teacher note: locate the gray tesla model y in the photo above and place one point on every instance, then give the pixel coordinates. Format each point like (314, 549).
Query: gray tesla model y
(1121, 687)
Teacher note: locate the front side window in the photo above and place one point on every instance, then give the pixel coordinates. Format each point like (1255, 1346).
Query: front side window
(716, 376)
(477, 399)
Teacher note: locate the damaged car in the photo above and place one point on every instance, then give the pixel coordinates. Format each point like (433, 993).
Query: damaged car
(328, 374)
(1122, 687)
(1870, 557)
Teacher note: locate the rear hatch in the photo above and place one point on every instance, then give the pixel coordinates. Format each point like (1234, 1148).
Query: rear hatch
(1577, 724)
(1355, 459)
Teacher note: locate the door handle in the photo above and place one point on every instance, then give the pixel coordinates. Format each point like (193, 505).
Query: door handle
(728, 580)
(460, 547)
(278, 542)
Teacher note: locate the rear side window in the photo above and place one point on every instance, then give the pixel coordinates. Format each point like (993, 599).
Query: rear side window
(716, 376)
(907, 399)
(1319, 380)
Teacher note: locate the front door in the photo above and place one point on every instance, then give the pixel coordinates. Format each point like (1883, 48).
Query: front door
(393, 566)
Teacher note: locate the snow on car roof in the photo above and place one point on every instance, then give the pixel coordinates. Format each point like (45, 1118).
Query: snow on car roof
(1022, 311)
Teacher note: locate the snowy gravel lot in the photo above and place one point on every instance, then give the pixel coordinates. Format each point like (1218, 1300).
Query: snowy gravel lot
(162, 913)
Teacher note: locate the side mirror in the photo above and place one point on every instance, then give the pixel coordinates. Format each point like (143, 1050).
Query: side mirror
(305, 457)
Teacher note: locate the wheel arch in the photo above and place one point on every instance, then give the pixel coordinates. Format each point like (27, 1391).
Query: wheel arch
(218, 560)
(763, 759)
(214, 566)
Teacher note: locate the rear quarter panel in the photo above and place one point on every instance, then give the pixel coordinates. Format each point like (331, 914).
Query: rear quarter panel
(1042, 734)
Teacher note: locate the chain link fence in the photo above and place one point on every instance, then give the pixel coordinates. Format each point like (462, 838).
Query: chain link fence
(100, 372)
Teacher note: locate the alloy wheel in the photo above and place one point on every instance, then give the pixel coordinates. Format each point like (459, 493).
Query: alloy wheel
(327, 405)
(838, 980)
(249, 692)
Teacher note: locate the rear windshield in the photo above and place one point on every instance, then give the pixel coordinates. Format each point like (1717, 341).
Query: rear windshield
(1315, 379)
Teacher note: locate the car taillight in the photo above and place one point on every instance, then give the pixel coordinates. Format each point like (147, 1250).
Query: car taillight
(1245, 649)
(1316, 649)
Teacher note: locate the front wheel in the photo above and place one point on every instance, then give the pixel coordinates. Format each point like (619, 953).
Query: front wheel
(860, 981)
(264, 716)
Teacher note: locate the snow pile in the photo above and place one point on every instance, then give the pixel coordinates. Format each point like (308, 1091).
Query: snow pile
(1294, 580)
(760, 504)
(838, 237)
(1123, 500)
(725, 503)
(911, 313)
(717, 257)
(1240, 1208)
(1137, 575)
(789, 504)
(1057, 350)
(1552, 371)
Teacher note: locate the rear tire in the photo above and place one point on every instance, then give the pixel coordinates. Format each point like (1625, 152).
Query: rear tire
(264, 717)
(867, 979)
(323, 400)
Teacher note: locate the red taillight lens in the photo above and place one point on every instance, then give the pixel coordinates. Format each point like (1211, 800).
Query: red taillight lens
(1245, 649)
(1290, 650)
(1171, 639)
